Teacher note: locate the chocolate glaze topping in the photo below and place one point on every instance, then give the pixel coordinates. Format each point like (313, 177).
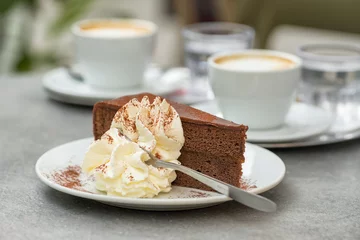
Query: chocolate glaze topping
(186, 112)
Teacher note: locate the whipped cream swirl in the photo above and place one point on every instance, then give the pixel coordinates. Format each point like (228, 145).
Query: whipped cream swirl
(119, 165)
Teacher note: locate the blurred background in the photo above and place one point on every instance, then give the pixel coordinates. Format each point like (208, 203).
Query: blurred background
(35, 33)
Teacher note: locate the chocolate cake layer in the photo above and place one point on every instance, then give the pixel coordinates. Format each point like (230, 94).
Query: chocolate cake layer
(213, 146)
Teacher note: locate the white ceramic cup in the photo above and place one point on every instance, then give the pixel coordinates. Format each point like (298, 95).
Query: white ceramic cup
(255, 96)
(114, 59)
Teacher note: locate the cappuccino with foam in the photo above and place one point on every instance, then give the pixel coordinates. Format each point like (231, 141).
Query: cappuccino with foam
(113, 29)
(114, 53)
(254, 62)
(254, 87)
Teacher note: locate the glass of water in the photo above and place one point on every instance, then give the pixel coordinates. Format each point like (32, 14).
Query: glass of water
(331, 80)
(202, 40)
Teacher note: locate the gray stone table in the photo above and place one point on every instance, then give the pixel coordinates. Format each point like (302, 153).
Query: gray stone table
(318, 199)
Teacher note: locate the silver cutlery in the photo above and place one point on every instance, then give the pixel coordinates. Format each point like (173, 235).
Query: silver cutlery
(73, 73)
(249, 199)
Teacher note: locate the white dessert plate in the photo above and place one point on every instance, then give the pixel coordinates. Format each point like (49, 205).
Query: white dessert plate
(262, 169)
(60, 86)
(303, 121)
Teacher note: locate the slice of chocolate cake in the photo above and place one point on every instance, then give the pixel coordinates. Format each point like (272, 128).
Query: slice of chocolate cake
(213, 146)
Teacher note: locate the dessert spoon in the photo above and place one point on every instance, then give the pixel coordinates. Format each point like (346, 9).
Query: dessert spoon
(73, 73)
(249, 199)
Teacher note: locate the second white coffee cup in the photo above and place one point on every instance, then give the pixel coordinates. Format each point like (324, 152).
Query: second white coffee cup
(114, 53)
(255, 87)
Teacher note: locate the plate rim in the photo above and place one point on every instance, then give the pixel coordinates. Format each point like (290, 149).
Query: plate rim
(289, 138)
(150, 201)
(310, 142)
(319, 131)
(48, 78)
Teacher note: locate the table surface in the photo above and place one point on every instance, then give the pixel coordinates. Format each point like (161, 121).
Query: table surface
(319, 197)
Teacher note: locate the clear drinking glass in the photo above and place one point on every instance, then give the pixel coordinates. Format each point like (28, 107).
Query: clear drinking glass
(202, 40)
(331, 80)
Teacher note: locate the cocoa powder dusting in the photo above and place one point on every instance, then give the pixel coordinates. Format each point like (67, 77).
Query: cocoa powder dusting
(122, 115)
(102, 168)
(246, 184)
(196, 194)
(169, 117)
(68, 177)
(109, 138)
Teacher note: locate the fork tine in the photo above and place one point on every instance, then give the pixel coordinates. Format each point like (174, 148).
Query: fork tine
(152, 161)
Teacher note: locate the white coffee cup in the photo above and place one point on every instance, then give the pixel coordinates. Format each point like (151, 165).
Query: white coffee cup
(255, 87)
(114, 53)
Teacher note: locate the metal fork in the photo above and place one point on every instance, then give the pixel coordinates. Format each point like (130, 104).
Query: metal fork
(249, 199)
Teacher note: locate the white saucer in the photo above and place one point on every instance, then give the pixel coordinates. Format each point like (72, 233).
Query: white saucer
(303, 121)
(60, 86)
(262, 168)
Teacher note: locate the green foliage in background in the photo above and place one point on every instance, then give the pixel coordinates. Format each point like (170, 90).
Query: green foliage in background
(72, 10)
(6, 5)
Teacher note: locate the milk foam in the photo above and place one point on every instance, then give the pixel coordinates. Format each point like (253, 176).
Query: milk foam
(113, 32)
(254, 63)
